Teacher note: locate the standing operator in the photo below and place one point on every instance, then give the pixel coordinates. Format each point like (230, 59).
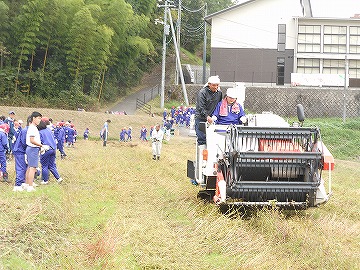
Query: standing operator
(208, 97)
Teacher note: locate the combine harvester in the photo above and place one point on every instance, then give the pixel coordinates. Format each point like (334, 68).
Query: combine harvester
(265, 163)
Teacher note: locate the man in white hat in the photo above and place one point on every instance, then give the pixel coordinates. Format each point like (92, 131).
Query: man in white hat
(229, 111)
(208, 97)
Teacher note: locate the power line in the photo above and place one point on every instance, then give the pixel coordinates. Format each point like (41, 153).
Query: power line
(195, 10)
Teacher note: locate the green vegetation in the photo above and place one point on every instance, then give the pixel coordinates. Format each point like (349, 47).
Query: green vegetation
(84, 51)
(342, 139)
(189, 58)
(83, 54)
(119, 209)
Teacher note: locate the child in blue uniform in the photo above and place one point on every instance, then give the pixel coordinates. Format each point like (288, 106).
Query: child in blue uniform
(59, 133)
(86, 134)
(143, 132)
(48, 158)
(129, 136)
(19, 155)
(122, 135)
(4, 129)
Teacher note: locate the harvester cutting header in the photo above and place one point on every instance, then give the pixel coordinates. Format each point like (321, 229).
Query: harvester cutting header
(264, 162)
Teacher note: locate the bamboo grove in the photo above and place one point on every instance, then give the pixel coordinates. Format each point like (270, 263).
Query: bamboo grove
(75, 53)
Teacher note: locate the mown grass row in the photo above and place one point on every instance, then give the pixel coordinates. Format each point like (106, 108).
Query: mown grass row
(119, 209)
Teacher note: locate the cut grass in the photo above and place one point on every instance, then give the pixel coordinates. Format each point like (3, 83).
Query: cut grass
(119, 209)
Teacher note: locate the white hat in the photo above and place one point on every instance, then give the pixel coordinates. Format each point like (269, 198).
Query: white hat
(231, 92)
(214, 79)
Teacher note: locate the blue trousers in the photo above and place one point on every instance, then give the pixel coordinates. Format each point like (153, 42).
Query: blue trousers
(60, 146)
(20, 168)
(48, 165)
(3, 161)
(201, 136)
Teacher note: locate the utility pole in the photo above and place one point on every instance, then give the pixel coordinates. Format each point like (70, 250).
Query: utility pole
(204, 50)
(345, 86)
(166, 32)
(178, 41)
(177, 50)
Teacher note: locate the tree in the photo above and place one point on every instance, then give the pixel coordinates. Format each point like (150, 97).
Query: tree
(145, 7)
(27, 27)
(192, 19)
(62, 47)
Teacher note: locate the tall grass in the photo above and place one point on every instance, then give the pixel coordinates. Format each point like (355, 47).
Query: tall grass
(119, 209)
(343, 138)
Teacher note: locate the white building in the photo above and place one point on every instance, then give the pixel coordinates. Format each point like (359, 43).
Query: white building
(265, 41)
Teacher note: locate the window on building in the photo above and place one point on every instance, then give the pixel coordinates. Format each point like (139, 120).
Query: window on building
(309, 38)
(280, 76)
(354, 69)
(333, 66)
(334, 39)
(281, 37)
(354, 39)
(308, 66)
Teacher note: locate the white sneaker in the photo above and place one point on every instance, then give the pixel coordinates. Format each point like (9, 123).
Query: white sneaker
(30, 189)
(59, 180)
(44, 182)
(24, 186)
(18, 188)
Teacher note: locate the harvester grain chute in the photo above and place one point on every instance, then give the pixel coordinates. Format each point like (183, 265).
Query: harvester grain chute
(265, 163)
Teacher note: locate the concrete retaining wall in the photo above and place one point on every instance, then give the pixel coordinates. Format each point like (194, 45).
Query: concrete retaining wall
(317, 102)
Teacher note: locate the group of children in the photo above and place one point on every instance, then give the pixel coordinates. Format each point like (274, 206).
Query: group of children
(35, 142)
(180, 116)
(125, 134)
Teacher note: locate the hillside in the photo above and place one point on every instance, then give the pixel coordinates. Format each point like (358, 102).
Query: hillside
(119, 209)
(93, 120)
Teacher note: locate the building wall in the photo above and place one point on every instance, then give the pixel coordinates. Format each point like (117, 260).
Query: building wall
(327, 50)
(249, 64)
(255, 25)
(317, 102)
(248, 33)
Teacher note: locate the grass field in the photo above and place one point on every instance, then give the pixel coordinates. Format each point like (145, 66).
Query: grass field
(119, 209)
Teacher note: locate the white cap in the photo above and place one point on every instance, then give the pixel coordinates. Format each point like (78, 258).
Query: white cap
(214, 79)
(231, 92)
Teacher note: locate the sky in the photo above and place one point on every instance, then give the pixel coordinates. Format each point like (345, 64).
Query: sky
(335, 8)
(330, 8)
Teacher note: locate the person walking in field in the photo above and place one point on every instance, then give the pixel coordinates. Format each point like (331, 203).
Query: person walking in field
(86, 134)
(59, 133)
(48, 158)
(104, 133)
(19, 151)
(157, 137)
(122, 134)
(128, 133)
(143, 133)
(11, 133)
(4, 130)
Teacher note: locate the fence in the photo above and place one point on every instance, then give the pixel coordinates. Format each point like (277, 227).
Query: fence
(317, 101)
(151, 93)
(142, 106)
